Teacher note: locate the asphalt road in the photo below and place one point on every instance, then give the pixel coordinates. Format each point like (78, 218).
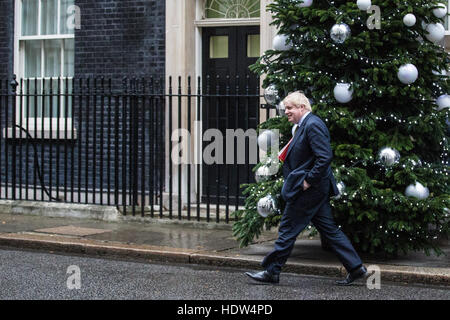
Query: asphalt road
(47, 276)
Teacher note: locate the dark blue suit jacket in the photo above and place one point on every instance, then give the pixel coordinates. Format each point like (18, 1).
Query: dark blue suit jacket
(309, 157)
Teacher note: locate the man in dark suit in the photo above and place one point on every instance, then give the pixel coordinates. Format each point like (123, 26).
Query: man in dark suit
(308, 185)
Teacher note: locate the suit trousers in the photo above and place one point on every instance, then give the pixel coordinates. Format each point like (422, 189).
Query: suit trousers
(313, 206)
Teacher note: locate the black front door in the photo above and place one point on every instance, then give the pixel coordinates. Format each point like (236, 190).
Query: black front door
(227, 54)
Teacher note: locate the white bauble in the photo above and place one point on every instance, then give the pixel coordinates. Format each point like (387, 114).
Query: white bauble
(305, 3)
(417, 191)
(408, 73)
(440, 12)
(343, 93)
(409, 20)
(267, 139)
(266, 206)
(443, 102)
(281, 42)
(436, 32)
(364, 4)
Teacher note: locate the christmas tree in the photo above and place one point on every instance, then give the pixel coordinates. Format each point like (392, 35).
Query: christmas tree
(375, 72)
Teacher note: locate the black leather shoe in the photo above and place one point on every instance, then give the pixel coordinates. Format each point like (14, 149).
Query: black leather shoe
(264, 276)
(352, 276)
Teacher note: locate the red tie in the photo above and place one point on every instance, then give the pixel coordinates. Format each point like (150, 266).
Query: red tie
(282, 154)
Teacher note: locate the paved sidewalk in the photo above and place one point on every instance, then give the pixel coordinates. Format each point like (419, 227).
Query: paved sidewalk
(156, 240)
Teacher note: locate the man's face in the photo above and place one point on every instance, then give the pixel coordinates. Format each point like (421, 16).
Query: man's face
(293, 112)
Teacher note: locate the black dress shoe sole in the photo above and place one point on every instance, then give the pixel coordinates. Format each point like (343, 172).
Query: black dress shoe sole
(261, 280)
(345, 284)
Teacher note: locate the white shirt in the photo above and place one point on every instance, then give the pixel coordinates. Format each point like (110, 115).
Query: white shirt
(303, 118)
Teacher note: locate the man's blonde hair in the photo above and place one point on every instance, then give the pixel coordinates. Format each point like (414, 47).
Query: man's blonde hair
(297, 98)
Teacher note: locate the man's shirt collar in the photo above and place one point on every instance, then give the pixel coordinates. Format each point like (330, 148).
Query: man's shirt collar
(303, 118)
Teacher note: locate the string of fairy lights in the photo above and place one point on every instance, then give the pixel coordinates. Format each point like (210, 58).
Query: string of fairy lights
(391, 61)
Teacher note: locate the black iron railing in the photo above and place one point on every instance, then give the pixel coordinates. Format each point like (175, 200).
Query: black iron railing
(106, 142)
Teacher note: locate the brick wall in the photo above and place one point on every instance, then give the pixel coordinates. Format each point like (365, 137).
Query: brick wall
(6, 37)
(117, 38)
(120, 38)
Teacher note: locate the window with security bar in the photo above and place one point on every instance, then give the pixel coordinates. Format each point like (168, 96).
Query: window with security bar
(45, 54)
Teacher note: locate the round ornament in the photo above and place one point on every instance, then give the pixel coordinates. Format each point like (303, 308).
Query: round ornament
(266, 206)
(443, 102)
(281, 42)
(417, 190)
(409, 20)
(305, 3)
(271, 95)
(267, 139)
(281, 109)
(262, 174)
(340, 32)
(388, 156)
(436, 32)
(408, 73)
(440, 12)
(364, 4)
(343, 92)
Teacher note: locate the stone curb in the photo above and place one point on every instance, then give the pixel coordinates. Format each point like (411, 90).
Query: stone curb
(146, 253)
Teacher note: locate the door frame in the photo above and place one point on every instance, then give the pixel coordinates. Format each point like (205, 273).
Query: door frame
(183, 44)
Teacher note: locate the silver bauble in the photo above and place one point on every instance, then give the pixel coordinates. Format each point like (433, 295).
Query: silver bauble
(266, 206)
(340, 32)
(388, 156)
(271, 95)
(417, 190)
(267, 139)
(262, 174)
(281, 42)
(281, 109)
